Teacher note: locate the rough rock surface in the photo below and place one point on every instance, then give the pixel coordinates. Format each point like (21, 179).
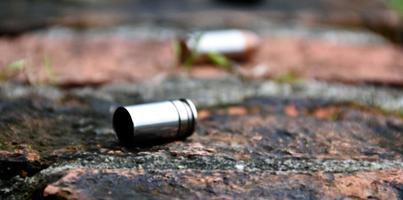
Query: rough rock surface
(225, 184)
(252, 143)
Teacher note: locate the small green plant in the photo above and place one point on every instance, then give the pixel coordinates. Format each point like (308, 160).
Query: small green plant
(401, 112)
(334, 117)
(215, 58)
(176, 45)
(20, 67)
(397, 5)
(219, 60)
(17, 65)
(12, 69)
(50, 75)
(29, 147)
(194, 54)
(287, 77)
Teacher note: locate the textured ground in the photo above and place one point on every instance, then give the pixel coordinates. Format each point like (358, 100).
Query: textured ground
(249, 143)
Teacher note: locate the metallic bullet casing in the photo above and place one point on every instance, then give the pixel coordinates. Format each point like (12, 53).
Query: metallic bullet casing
(153, 122)
(235, 44)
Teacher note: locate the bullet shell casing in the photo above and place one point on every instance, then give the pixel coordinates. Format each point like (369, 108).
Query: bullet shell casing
(223, 41)
(236, 44)
(166, 120)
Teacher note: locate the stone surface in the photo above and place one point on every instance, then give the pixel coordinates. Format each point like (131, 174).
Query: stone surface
(335, 61)
(74, 59)
(256, 146)
(78, 61)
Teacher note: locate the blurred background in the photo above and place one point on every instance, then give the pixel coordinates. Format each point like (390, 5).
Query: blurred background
(86, 42)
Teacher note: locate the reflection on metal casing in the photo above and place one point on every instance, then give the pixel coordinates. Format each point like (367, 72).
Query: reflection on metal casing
(152, 122)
